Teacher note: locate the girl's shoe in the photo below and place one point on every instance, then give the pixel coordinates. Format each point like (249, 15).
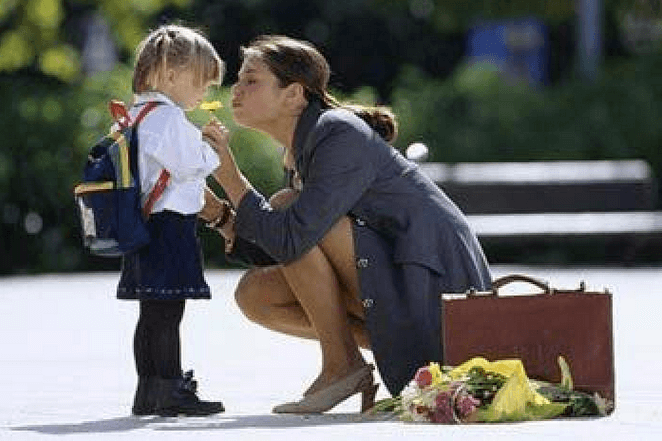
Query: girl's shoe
(178, 396)
(332, 395)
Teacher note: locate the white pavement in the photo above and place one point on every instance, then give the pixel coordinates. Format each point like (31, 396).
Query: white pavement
(66, 367)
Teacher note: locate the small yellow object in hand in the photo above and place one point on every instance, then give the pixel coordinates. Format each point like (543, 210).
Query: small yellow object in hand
(211, 106)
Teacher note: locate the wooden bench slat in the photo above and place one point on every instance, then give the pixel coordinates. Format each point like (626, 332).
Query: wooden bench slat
(553, 172)
(567, 224)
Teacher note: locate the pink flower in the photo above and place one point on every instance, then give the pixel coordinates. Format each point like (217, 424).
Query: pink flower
(466, 405)
(423, 377)
(442, 412)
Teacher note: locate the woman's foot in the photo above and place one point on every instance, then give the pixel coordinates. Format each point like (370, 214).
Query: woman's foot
(328, 397)
(327, 378)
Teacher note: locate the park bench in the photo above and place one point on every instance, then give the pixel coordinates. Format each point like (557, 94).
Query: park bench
(604, 210)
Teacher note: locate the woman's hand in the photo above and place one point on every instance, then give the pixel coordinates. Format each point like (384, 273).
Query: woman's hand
(227, 174)
(219, 216)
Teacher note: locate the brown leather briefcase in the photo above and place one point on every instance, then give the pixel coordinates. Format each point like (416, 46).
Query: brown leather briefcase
(536, 328)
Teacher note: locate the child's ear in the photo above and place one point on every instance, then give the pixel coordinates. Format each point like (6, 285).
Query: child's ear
(170, 76)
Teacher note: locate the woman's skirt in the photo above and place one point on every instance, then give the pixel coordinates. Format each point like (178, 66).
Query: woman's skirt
(170, 266)
(402, 307)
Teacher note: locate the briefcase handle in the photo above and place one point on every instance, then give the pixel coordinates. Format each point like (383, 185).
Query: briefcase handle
(544, 286)
(505, 280)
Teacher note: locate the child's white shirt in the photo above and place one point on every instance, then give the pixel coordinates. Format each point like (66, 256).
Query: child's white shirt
(167, 139)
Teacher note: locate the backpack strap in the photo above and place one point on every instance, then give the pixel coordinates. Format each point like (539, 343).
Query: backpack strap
(121, 115)
(123, 118)
(148, 107)
(156, 193)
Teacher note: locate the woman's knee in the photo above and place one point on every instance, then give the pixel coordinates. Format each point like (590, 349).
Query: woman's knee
(246, 295)
(260, 289)
(283, 198)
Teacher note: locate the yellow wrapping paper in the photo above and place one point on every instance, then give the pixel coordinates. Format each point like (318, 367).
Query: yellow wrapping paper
(516, 400)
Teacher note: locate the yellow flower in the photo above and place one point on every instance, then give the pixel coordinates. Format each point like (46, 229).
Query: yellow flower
(211, 106)
(437, 376)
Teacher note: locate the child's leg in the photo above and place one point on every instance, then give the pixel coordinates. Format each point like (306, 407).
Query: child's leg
(176, 393)
(156, 350)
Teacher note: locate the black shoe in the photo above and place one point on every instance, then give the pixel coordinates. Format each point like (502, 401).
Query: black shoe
(178, 396)
(144, 402)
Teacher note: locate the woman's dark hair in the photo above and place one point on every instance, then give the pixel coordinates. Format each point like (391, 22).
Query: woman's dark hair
(297, 61)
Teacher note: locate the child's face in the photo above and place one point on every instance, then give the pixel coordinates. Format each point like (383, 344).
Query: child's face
(181, 86)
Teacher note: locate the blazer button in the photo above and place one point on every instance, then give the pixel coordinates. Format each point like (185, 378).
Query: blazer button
(362, 263)
(368, 303)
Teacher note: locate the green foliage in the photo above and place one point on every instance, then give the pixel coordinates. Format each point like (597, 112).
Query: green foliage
(35, 180)
(49, 132)
(457, 15)
(34, 36)
(52, 113)
(480, 115)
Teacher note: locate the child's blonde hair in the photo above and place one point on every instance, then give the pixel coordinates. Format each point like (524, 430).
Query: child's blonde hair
(175, 47)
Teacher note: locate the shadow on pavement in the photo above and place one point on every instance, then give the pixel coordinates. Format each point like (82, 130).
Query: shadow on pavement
(221, 422)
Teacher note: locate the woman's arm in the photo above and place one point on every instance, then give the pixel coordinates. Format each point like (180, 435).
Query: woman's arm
(335, 180)
(227, 174)
(218, 215)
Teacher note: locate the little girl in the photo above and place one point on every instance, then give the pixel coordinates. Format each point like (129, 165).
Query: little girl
(174, 67)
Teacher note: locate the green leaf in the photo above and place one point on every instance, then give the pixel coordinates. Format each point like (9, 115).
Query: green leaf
(566, 376)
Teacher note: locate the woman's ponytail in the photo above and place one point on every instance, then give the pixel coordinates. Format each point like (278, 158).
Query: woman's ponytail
(380, 118)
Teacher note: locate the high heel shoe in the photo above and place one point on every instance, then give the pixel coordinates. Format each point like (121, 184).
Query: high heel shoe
(329, 397)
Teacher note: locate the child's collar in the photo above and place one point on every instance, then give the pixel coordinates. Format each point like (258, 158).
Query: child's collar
(153, 96)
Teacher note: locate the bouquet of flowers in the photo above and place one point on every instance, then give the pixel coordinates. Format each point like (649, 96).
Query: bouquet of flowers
(483, 391)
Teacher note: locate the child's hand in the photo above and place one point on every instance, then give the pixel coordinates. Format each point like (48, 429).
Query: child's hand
(217, 135)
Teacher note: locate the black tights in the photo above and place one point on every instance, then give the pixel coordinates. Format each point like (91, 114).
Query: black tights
(156, 343)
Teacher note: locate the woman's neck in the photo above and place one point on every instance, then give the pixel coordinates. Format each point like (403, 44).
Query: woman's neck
(282, 130)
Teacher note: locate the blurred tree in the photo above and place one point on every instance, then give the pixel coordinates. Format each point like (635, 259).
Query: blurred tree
(404, 52)
(47, 35)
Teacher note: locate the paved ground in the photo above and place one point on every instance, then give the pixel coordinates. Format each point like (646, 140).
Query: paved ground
(66, 367)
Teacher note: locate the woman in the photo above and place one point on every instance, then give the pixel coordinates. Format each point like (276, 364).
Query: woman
(357, 250)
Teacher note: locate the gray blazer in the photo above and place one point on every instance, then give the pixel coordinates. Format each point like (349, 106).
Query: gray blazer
(411, 240)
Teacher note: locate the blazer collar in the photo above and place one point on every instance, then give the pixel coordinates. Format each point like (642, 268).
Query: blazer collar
(307, 120)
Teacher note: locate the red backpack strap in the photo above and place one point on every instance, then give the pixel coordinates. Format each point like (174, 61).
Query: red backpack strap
(164, 178)
(156, 193)
(148, 107)
(119, 113)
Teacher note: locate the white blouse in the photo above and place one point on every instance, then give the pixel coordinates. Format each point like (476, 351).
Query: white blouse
(167, 139)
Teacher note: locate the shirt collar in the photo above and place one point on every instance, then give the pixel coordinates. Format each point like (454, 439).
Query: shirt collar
(144, 97)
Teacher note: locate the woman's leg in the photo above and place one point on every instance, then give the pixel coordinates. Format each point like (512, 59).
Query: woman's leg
(280, 310)
(265, 297)
(316, 296)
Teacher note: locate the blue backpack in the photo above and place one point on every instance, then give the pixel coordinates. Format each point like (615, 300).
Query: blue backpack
(112, 220)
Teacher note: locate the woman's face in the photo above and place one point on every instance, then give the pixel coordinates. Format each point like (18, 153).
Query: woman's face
(256, 96)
